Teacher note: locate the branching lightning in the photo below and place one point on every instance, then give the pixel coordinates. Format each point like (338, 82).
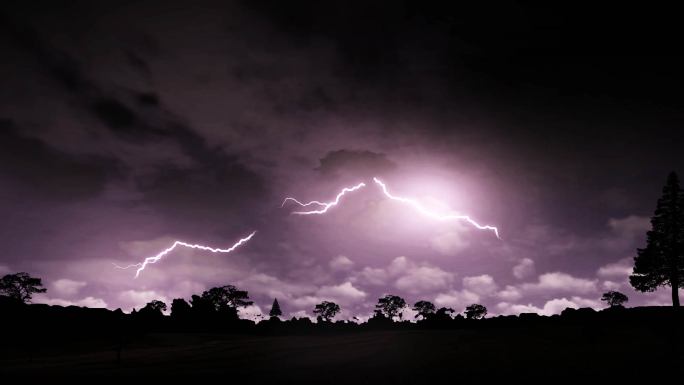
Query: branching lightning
(325, 205)
(154, 259)
(413, 203)
(438, 216)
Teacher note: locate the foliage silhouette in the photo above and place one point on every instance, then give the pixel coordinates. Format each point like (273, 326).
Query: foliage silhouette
(180, 308)
(228, 296)
(444, 313)
(155, 306)
(21, 286)
(390, 306)
(424, 309)
(475, 311)
(614, 298)
(201, 307)
(326, 310)
(661, 262)
(275, 309)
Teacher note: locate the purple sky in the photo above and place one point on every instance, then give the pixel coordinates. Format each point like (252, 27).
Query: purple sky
(124, 128)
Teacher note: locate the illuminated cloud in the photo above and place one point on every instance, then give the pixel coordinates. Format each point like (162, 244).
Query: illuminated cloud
(456, 299)
(341, 262)
(510, 293)
(482, 285)
(139, 298)
(67, 287)
(84, 302)
(610, 285)
(524, 268)
(422, 279)
(344, 293)
(407, 276)
(551, 307)
(560, 282)
(619, 269)
(450, 242)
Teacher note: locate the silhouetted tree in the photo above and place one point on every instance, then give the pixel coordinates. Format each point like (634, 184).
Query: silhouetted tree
(156, 305)
(475, 311)
(614, 298)
(444, 313)
(661, 262)
(424, 309)
(201, 307)
(275, 309)
(153, 308)
(326, 310)
(226, 297)
(180, 308)
(390, 306)
(21, 286)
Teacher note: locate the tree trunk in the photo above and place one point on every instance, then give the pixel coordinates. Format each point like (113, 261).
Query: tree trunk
(675, 294)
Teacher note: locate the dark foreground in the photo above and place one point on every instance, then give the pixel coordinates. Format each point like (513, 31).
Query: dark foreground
(538, 349)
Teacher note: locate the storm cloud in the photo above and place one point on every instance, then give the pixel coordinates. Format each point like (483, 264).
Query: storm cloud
(124, 127)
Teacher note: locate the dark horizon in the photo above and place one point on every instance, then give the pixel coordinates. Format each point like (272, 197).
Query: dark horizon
(127, 126)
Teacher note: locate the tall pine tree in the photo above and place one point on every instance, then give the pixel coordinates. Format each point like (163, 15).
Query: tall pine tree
(275, 309)
(661, 262)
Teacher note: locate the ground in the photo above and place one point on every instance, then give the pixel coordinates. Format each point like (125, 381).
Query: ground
(538, 354)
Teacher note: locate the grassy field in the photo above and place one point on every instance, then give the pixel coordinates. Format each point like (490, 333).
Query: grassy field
(365, 357)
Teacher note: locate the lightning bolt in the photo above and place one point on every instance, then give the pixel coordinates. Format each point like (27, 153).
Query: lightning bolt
(154, 259)
(442, 217)
(325, 205)
(413, 203)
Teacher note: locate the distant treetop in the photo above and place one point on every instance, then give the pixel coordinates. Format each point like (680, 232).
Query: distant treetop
(275, 309)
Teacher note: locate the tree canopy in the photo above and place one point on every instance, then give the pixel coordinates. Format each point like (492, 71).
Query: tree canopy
(326, 310)
(21, 286)
(424, 309)
(226, 297)
(661, 262)
(475, 311)
(180, 308)
(614, 298)
(390, 306)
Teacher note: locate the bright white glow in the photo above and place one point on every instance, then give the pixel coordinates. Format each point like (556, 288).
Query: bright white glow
(441, 214)
(434, 215)
(325, 205)
(154, 259)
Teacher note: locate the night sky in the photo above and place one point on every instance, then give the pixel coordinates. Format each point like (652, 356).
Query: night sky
(126, 126)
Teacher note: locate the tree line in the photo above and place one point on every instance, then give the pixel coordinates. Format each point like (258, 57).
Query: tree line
(224, 302)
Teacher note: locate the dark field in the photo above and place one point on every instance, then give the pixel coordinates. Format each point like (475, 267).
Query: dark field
(550, 352)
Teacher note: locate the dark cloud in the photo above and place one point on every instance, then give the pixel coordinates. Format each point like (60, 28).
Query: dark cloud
(49, 174)
(362, 163)
(128, 125)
